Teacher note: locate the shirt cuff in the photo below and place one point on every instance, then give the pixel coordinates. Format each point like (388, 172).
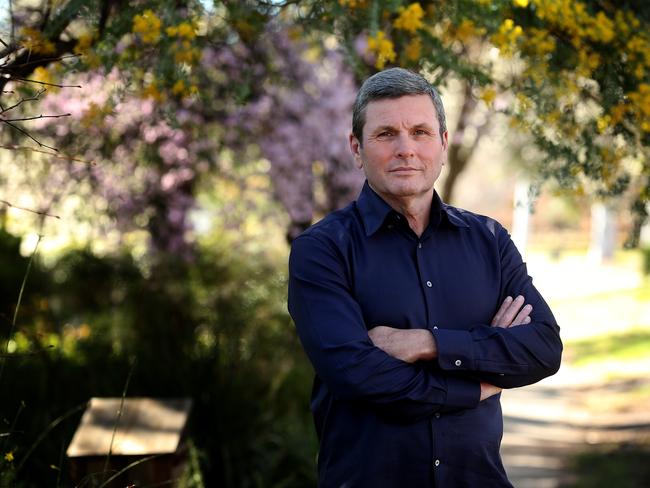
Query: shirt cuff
(462, 393)
(455, 349)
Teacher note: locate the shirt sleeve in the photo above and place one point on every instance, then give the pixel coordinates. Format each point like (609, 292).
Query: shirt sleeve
(331, 328)
(511, 357)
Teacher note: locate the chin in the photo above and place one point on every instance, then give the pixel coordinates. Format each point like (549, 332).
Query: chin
(407, 190)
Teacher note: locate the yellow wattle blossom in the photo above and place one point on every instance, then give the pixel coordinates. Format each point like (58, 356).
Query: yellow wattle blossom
(186, 53)
(33, 40)
(539, 41)
(467, 29)
(639, 71)
(9, 457)
(152, 91)
(618, 112)
(410, 18)
(42, 74)
(178, 88)
(488, 95)
(94, 115)
(148, 26)
(183, 30)
(413, 49)
(601, 28)
(383, 48)
(353, 3)
(520, 3)
(641, 98)
(186, 30)
(603, 123)
(524, 102)
(506, 37)
(83, 43)
(593, 61)
(574, 17)
(587, 63)
(639, 49)
(640, 106)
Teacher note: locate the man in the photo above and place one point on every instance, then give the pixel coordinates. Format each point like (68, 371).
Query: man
(405, 308)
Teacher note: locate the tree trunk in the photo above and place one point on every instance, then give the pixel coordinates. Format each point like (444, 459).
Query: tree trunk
(459, 154)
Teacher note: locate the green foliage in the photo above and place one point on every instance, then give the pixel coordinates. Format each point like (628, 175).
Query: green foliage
(623, 466)
(12, 270)
(215, 330)
(645, 252)
(573, 75)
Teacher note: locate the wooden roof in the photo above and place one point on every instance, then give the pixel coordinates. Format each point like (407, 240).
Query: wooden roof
(146, 426)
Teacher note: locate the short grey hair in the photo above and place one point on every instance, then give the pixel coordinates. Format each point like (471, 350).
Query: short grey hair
(393, 83)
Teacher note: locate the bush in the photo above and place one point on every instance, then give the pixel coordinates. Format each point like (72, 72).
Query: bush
(215, 330)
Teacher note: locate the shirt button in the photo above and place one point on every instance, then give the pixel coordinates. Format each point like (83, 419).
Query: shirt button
(437, 415)
(429, 284)
(436, 463)
(419, 245)
(458, 362)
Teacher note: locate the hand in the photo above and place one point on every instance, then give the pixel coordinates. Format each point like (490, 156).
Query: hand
(511, 313)
(409, 345)
(487, 390)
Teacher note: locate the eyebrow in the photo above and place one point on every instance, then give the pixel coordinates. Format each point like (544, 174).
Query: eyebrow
(422, 125)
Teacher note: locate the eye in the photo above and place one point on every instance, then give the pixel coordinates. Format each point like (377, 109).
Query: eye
(421, 132)
(385, 133)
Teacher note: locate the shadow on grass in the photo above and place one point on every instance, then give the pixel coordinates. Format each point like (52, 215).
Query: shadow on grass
(622, 466)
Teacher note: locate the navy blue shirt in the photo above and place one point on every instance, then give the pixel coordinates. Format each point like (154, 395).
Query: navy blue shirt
(382, 422)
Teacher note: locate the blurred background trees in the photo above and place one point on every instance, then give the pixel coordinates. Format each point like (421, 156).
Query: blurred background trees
(182, 143)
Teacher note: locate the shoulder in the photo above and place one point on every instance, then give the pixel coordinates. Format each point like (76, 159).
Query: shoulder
(336, 229)
(475, 222)
(325, 246)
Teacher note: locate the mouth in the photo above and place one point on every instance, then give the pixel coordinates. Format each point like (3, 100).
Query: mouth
(404, 170)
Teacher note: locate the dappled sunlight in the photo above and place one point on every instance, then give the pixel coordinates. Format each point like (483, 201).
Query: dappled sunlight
(600, 395)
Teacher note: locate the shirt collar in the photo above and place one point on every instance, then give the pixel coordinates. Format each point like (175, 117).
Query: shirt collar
(374, 210)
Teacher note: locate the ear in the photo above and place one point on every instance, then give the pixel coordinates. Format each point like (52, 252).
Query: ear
(355, 148)
(445, 146)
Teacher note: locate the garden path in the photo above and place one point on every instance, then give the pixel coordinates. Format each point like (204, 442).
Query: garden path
(582, 406)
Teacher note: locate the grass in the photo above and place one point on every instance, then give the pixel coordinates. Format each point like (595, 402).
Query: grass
(631, 345)
(622, 466)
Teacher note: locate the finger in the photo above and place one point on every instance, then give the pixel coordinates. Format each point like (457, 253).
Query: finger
(512, 311)
(523, 314)
(499, 315)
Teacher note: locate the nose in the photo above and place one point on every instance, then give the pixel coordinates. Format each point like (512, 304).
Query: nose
(404, 146)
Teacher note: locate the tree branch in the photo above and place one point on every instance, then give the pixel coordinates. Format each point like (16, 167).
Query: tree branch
(23, 100)
(45, 83)
(57, 156)
(35, 117)
(29, 135)
(37, 212)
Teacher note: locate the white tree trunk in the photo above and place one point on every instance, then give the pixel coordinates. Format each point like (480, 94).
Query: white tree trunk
(603, 232)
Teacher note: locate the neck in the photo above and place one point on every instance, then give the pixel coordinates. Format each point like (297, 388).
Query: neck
(416, 209)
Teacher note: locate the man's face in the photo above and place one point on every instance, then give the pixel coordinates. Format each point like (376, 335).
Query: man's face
(402, 152)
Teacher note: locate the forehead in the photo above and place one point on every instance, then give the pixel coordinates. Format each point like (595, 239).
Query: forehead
(405, 111)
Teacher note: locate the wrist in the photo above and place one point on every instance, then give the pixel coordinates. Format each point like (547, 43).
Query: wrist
(427, 343)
